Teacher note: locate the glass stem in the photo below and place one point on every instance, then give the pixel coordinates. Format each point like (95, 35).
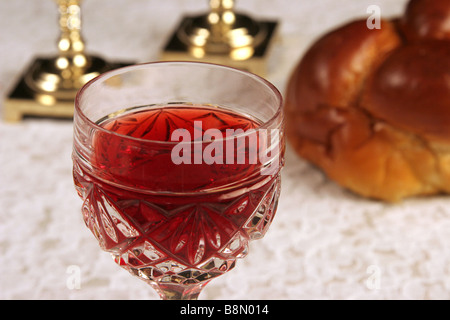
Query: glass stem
(172, 291)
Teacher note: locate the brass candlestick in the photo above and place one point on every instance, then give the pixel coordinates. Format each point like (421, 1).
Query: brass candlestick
(49, 85)
(223, 36)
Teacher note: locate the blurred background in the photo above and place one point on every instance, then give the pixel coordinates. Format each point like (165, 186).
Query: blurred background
(324, 243)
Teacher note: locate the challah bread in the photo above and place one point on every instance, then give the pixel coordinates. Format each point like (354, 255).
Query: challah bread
(371, 107)
(426, 19)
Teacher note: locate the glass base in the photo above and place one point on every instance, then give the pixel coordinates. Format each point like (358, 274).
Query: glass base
(170, 291)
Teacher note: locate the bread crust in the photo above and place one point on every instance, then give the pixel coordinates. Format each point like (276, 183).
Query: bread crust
(371, 107)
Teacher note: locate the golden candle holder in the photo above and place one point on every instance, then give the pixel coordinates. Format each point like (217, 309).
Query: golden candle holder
(49, 85)
(223, 36)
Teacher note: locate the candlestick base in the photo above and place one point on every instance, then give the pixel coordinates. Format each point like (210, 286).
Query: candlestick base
(250, 58)
(27, 100)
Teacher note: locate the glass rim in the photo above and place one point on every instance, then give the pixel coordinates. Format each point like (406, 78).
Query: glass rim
(108, 74)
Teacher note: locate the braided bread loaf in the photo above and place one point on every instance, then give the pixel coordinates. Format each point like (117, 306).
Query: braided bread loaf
(371, 107)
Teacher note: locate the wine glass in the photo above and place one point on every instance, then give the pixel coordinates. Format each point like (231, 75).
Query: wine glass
(178, 166)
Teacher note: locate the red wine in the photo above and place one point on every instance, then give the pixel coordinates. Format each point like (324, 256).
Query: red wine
(149, 165)
(159, 218)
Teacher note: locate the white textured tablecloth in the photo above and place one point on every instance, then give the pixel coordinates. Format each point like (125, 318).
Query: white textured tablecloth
(325, 243)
